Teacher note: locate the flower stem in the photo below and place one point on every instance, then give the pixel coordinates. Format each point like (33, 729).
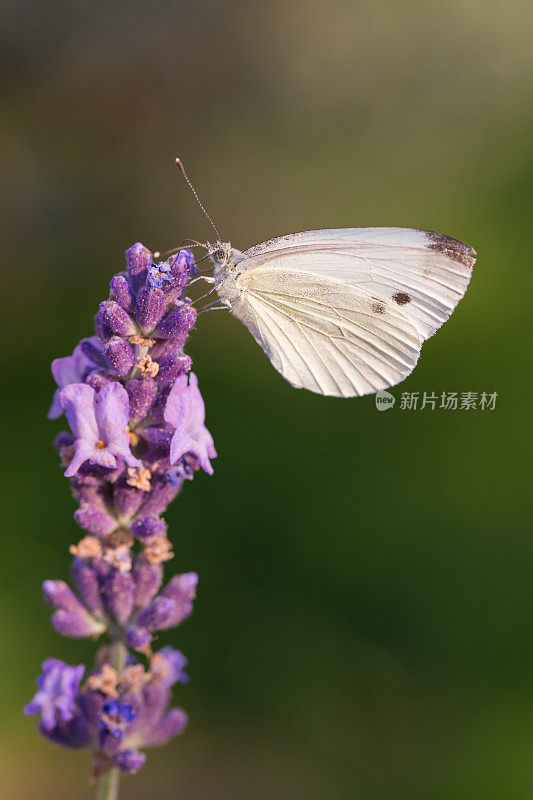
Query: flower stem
(109, 783)
(118, 655)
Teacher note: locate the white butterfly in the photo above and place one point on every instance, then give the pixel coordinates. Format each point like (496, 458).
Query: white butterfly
(344, 312)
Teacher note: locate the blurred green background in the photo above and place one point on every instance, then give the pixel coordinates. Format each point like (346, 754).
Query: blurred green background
(364, 618)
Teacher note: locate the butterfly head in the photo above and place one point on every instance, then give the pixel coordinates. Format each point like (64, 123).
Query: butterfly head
(224, 256)
(219, 252)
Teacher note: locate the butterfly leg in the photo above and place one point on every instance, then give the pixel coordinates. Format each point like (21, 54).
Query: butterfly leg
(216, 305)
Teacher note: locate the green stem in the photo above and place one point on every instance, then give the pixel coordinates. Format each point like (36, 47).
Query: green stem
(118, 655)
(108, 784)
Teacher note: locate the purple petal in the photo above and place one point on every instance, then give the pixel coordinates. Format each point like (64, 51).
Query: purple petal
(78, 402)
(169, 726)
(181, 443)
(112, 409)
(56, 408)
(84, 451)
(74, 734)
(177, 409)
(67, 370)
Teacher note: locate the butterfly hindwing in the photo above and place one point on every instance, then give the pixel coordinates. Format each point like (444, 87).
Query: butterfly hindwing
(324, 336)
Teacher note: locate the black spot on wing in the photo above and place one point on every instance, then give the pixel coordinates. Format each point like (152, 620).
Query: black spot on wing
(401, 298)
(453, 248)
(378, 308)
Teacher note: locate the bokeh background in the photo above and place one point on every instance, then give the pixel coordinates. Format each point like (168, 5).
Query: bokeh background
(364, 619)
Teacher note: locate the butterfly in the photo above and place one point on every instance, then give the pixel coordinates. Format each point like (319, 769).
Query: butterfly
(343, 312)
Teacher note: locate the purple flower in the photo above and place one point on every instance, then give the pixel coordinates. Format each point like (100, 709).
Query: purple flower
(57, 688)
(99, 423)
(185, 411)
(70, 369)
(115, 719)
(184, 261)
(125, 387)
(159, 273)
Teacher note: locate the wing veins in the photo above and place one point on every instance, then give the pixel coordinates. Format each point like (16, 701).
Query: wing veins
(361, 341)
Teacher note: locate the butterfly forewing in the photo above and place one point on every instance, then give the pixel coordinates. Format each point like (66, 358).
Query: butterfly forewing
(424, 274)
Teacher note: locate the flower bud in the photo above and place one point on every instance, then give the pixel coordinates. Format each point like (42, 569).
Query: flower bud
(171, 367)
(118, 594)
(173, 723)
(120, 355)
(127, 499)
(147, 579)
(88, 586)
(129, 761)
(141, 393)
(147, 527)
(160, 497)
(150, 308)
(137, 638)
(94, 520)
(178, 323)
(114, 320)
(138, 258)
(94, 353)
(182, 266)
(122, 293)
(159, 614)
(96, 380)
(71, 618)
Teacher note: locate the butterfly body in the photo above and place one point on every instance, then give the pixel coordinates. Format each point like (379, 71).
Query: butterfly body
(344, 312)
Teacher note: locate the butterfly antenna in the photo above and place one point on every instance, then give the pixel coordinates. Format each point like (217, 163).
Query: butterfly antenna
(193, 190)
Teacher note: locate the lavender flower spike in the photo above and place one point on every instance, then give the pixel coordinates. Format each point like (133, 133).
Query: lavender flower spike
(138, 434)
(99, 423)
(185, 411)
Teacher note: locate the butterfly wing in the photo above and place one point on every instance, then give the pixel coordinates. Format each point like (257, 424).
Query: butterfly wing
(423, 274)
(326, 336)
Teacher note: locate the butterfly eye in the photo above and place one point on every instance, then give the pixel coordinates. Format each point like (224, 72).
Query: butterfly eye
(219, 256)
